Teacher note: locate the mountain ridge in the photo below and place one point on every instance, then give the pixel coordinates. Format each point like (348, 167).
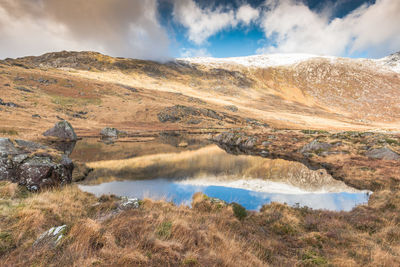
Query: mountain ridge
(130, 93)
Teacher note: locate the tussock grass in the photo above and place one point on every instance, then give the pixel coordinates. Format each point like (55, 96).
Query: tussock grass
(160, 233)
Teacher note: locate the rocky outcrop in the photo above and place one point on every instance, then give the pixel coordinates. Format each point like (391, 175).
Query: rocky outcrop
(383, 153)
(9, 104)
(179, 112)
(235, 141)
(232, 108)
(62, 130)
(33, 165)
(316, 147)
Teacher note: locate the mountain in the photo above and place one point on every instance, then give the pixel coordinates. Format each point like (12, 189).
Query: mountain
(282, 90)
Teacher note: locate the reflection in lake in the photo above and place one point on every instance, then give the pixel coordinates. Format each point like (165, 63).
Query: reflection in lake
(175, 175)
(181, 193)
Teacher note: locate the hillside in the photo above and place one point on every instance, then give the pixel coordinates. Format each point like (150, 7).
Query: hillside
(300, 91)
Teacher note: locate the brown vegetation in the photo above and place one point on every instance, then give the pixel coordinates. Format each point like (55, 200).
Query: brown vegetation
(159, 233)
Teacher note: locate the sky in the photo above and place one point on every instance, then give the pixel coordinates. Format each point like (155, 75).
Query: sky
(165, 29)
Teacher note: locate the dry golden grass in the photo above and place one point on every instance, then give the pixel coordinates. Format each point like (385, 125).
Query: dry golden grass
(209, 234)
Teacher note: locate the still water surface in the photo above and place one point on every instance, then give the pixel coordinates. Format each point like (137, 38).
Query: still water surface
(181, 193)
(162, 170)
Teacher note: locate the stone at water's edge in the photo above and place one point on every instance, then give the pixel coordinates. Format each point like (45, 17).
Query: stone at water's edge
(232, 139)
(22, 163)
(62, 130)
(110, 132)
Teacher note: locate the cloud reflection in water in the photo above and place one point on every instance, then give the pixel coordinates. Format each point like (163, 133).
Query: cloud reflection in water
(179, 193)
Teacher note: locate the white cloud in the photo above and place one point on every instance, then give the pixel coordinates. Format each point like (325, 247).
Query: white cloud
(247, 14)
(120, 28)
(204, 23)
(295, 28)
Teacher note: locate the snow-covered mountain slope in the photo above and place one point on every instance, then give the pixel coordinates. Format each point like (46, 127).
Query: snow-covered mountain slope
(391, 62)
(257, 61)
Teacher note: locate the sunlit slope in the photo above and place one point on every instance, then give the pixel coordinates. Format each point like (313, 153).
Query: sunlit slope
(301, 92)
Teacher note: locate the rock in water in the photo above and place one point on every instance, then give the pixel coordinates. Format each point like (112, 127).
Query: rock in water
(383, 153)
(27, 164)
(62, 130)
(109, 132)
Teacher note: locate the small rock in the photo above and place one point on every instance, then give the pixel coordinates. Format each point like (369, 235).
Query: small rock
(23, 89)
(80, 115)
(265, 143)
(134, 90)
(36, 116)
(193, 121)
(264, 153)
(183, 144)
(47, 81)
(129, 203)
(62, 130)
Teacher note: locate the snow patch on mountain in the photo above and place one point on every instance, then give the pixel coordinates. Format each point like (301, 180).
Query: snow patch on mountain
(390, 63)
(256, 61)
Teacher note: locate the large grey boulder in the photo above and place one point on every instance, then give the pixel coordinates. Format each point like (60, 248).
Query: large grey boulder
(33, 165)
(7, 147)
(383, 153)
(62, 130)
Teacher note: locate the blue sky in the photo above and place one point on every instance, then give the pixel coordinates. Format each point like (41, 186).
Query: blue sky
(164, 29)
(249, 39)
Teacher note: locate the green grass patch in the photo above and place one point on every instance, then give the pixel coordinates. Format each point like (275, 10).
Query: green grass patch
(6, 242)
(66, 101)
(164, 230)
(239, 211)
(389, 141)
(311, 258)
(190, 262)
(8, 131)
